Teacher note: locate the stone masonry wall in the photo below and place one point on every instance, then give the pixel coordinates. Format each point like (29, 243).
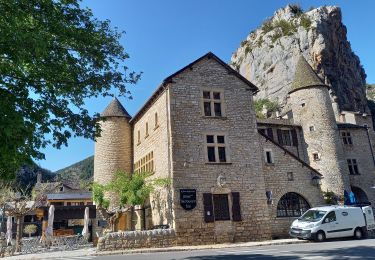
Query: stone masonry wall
(312, 107)
(137, 239)
(276, 179)
(360, 150)
(158, 142)
(242, 172)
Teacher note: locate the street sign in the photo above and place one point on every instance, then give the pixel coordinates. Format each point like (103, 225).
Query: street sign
(188, 198)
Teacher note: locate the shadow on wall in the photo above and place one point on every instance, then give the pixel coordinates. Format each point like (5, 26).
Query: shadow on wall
(162, 207)
(360, 252)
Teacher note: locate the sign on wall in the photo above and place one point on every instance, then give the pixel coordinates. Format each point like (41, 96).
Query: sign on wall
(188, 198)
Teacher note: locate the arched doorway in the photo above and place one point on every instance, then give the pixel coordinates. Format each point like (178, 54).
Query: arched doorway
(292, 204)
(359, 194)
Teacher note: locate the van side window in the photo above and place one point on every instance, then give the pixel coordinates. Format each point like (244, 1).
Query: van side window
(344, 213)
(330, 217)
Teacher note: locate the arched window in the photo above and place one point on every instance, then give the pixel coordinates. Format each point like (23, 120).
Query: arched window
(292, 205)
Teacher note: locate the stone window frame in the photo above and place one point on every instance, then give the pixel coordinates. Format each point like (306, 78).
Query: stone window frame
(146, 130)
(291, 204)
(138, 137)
(156, 120)
(353, 166)
(212, 101)
(272, 157)
(311, 128)
(316, 156)
(347, 138)
(283, 135)
(216, 145)
(290, 176)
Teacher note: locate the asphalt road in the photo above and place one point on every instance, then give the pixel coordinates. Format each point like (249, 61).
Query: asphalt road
(348, 249)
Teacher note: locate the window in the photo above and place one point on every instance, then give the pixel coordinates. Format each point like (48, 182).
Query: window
(303, 104)
(221, 207)
(287, 137)
(316, 156)
(145, 164)
(268, 156)
(146, 130)
(346, 138)
(330, 217)
(216, 151)
(138, 137)
(267, 131)
(212, 103)
(353, 166)
(290, 176)
(156, 121)
(312, 128)
(292, 205)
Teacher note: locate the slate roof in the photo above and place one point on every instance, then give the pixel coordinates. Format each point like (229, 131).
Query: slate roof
(305, 76)
(115, 109)
(69, 196)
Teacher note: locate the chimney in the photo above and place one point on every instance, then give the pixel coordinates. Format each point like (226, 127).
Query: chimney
(39, 177)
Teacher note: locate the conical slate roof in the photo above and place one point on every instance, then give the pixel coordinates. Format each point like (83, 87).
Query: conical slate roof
(115, 109)
(305, 76)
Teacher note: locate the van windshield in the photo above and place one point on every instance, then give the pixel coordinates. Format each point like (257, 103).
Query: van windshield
(312, 215)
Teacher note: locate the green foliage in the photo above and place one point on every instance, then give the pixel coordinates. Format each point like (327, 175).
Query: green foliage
(54, 55)
(287, 28)
(247, 49)
(260, 41)
(80, 172)
(370, 91)
(277, 35)
(305, 22)
(296, 9)
(330, 197)
(243, 43)
(371, 105)
(30, 229)
(267, 26)
(98, 195)
(272, 106)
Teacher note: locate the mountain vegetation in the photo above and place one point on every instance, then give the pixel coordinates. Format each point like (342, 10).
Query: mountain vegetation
(81, 172)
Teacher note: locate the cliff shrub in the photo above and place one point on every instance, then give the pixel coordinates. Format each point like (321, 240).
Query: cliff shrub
(247, 49)
(296, 9)
(267, 26)
(305, 22)
(288, 28)
(243, 43)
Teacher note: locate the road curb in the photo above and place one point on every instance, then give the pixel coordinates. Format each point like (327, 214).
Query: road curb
(203, 247)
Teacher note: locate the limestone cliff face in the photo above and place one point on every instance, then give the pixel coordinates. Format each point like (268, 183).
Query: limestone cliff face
(269, 55)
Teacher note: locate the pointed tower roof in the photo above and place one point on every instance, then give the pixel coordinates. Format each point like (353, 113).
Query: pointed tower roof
(305, 76)
(115, 109)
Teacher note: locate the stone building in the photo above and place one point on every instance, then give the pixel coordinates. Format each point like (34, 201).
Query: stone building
(236, 177)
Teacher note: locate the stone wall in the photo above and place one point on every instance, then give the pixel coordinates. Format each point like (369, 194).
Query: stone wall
(158, 142)
(312, 107)
(276, 179)
(137, 239)
(191, 169)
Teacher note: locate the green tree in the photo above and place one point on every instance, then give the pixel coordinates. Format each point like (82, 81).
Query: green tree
(53, 55)
(271, 106)
(131, 189)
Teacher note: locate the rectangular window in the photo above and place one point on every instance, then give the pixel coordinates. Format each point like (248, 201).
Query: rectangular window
(216, 148)
(268, 156)
(146, 130)
(145, 164)
(221, 207)
(156, 121)
(212, 103)
(290, 176)
(346, 138)
(353, 166)
(139, 137)
(316, 157)
(284, 137)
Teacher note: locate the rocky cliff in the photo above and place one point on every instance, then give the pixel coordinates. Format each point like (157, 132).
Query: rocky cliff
(268, 56)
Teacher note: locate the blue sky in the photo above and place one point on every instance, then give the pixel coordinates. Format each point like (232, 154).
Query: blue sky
(163, 36)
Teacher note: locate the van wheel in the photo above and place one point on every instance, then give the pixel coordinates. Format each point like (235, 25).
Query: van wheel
(358, 234)
(320, 236)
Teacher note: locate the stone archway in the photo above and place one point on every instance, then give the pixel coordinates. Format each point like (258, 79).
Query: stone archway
(360, 195)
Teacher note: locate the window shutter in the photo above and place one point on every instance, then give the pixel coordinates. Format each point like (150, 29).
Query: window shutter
(270, 133)
(294, 137)
(208, 208)
(236, 208)
(279, 136)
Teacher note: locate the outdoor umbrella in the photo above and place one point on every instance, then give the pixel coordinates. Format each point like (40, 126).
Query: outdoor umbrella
(51, 214)
(85, 231)
(9, 230)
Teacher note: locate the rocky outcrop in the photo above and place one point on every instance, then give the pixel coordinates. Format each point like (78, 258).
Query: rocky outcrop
(269, 55)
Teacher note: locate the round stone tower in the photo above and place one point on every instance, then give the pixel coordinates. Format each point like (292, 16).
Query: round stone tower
(312, 109)
(113, 149)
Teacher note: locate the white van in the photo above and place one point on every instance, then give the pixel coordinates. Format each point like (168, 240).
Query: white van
(332, 222)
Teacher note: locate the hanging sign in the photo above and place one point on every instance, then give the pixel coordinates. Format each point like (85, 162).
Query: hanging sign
(188, 198)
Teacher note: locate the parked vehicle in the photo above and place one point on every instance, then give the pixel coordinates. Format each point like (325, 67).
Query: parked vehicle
(321, 223)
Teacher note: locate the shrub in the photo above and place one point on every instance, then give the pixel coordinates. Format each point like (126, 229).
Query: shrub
(305, 22)
(296, 9)
(30, 229)
(260, 41)
(288, 28)
(267, 26)
(272, 106)
(276, 36)
(247, 49)
(243, 43)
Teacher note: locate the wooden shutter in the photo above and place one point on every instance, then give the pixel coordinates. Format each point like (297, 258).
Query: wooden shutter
(236, 208)
(279, 136)
(208, 208)
(294, 137)
(270, 133)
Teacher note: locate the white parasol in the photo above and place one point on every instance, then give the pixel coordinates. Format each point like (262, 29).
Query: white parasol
(9, 230)
(85, 231)
(51, 214)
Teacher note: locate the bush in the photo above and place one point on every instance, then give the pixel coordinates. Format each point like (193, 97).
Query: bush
(305, 22)
(267, 26)
(243, 43)
(296, 9)
(288, 28)
(276, 36)
(247, 49)
(272, 106)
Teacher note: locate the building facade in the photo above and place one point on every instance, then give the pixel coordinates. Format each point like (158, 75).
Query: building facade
(235, 177)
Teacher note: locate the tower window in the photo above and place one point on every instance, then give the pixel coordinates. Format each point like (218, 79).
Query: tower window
(213, 103)
(312, 128)
(303, 104)
(346, 138)
(316, 156)
(353, 166)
